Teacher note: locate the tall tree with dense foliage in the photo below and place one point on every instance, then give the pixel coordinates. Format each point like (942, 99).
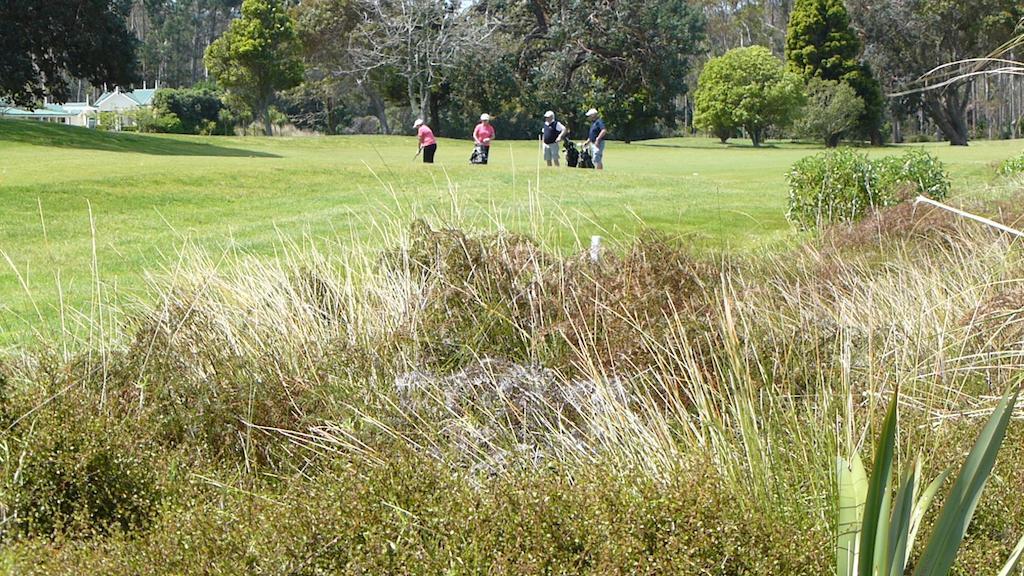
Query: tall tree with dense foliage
(328, 96)
(821, 43)
(832, 109)
(747, 88)
(44, 43)
(630, 60)
(908, 38)
(258, 55)
(174, 35)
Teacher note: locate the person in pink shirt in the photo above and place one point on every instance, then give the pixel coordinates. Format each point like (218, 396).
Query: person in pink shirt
(483, 134)
(428, 144)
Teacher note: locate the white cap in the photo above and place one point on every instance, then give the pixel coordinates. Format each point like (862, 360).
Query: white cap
(549, 114)
(417, 123)
(592, 112)
(484, 116)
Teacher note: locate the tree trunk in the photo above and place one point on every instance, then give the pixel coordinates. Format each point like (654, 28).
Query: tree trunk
(833, 140)
(263, 114)
(876, 137)
(948, 110)
(268, 126)
(435, 113)
(329, 103)
(755, 136)
(378, 107)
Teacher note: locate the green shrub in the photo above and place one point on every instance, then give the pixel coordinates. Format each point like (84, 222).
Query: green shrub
(195, 109)
(843, 185)
(80, 476)
(412, 515)
(830, 187)
(915, 172)
(1012, 166)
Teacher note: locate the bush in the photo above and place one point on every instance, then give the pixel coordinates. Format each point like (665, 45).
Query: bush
(1012, 166)
(843, 185)
(81, 476)
(915, 172)
(832, 109)
(193, 110)
(746, 88)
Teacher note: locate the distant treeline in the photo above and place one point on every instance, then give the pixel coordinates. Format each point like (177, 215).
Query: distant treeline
(375, 65)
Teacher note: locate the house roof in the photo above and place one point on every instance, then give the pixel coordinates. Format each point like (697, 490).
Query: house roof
(144, 97)
(47, 111)
(78, 107)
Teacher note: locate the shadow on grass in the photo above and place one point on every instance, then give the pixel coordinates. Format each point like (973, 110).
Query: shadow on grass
(59, 136)
(728, 145)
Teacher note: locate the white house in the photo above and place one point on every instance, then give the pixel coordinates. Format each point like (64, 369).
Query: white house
(72, 113)
(48, 113)
(82, 114)
(118, 101)
(122, 102)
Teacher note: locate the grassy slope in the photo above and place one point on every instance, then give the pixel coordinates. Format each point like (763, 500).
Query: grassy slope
(148, 193)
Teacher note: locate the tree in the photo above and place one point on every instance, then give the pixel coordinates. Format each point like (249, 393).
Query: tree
(630, 60)
(740, 23)
(746, 88)
(197, 109)
(832, 109)
(43, 43)
(417, 41)
(257, 56)
(174, 36)
(331, 91)
(821, 43)
(908, 38)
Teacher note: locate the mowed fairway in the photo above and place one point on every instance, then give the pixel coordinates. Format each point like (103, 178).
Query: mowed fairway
(74, 201)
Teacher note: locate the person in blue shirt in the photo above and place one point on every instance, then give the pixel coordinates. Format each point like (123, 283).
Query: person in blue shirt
(595, 139)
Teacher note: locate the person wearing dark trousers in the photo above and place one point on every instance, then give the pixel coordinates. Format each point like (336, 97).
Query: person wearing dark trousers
(596, 136)
(483, 134)
(428, 144)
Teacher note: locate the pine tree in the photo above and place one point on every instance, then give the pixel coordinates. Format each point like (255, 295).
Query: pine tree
(821, 43)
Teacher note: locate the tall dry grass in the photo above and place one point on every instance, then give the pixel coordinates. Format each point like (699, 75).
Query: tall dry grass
(494, 353)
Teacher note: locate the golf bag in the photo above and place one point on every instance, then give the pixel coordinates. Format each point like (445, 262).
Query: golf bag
(586, 158)
(479, 155)
(572, 154)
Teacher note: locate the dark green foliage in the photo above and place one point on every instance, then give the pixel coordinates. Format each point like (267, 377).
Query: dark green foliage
(832, 109)
(197, 109)
(414, 516)
(44, 43)
(174, 34)
(258, 55)
(80, 475)
(821, 43)
(843, 185)
(909, 39)
(629, 61)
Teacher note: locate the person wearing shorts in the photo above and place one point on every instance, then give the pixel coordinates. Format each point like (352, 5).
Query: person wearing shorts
(428, 144)
(553, 133)
(595, 139)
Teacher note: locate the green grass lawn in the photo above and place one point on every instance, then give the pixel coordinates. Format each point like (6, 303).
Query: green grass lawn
(72, 197)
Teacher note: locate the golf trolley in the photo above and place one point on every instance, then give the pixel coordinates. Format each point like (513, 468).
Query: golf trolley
(575, 158)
